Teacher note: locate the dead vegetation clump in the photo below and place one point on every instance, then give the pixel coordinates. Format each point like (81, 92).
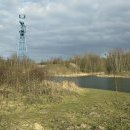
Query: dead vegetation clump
(23, 78)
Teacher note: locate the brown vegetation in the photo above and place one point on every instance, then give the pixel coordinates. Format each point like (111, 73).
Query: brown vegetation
(115, 61)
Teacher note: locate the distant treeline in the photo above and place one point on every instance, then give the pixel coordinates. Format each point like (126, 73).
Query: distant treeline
(115, 61)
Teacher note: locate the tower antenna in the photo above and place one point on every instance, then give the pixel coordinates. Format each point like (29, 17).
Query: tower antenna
(22, 47)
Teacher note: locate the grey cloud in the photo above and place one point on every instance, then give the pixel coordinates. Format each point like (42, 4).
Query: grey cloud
(65, 28)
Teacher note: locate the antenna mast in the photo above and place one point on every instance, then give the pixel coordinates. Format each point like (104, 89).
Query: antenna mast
(22, 47)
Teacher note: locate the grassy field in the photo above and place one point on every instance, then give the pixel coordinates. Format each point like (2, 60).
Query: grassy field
(29, 101)
(68, 109)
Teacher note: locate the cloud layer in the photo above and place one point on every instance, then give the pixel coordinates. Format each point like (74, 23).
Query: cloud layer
(64, 28)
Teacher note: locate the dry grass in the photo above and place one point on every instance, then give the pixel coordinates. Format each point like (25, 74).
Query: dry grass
(65, 85)
(28, 100)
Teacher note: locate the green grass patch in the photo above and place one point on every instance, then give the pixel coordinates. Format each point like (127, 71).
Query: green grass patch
(90, 110)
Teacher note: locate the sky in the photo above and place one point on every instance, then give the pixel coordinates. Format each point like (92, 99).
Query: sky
(64, 28)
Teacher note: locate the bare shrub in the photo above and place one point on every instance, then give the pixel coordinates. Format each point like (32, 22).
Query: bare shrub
(38, 74)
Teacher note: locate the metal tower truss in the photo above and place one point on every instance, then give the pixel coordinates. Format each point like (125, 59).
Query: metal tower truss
(22, 47)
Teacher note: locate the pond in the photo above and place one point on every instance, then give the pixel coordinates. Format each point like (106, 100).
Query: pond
(107, 83)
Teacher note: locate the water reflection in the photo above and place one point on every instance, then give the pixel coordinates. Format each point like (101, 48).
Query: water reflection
(123, 84)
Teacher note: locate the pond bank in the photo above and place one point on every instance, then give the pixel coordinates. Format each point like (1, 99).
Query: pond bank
(100, 74)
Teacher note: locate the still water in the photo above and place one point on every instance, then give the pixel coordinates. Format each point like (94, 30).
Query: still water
(107, 83)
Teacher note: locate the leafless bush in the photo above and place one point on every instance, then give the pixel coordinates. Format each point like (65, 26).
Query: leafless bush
(38, 74)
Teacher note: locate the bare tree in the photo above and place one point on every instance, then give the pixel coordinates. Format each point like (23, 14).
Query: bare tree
(115, 61)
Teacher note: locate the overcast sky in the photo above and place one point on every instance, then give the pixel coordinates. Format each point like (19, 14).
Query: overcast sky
(63, 28)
